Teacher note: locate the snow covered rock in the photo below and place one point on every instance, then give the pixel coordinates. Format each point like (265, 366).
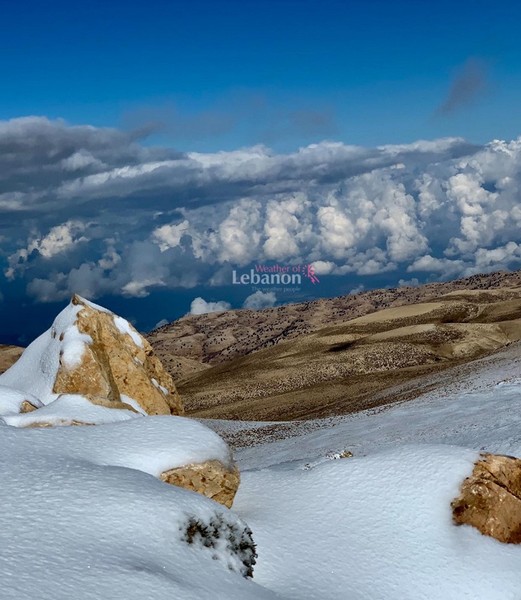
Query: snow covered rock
(14, 401)
(212, 479)
(85, 516)
(490, 499)
(94, 353)
(91, 362)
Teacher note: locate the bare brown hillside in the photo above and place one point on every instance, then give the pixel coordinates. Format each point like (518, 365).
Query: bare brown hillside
(193, 343)
(363, 363)
(8, 356)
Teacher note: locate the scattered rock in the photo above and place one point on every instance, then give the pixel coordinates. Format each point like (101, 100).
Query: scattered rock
(235, 538)
(27, 407)
(212, 479)
(490, 499)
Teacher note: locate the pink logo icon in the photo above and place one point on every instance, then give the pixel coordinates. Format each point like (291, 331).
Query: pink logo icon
(309, 272)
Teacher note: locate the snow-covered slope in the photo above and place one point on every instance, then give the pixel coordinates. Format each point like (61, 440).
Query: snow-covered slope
(35, 371)
(379, 525)
(85, 516)
(378, 528)
(82, 518)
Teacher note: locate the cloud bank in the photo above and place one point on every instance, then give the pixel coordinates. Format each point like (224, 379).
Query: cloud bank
(96, 211)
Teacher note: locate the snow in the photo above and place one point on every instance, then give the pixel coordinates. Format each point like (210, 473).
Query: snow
(159, 386)
(68, 409)
(123, 326)
(375, 527)
(74, 528)
(35, 371)
(11, 400)
(85, 515)
(151, 445)
(95, 306)
(378, 525)
(481, 411)
(133, 403)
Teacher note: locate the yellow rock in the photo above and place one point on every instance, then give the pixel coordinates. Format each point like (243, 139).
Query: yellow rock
(212, 479)
(490, 499)
(117, 363)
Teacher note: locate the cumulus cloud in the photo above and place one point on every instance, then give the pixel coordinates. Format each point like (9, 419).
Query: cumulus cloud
(169, 236)
(414, 282)
(259, 300)
(357, 290)
(93, 211)
(200, 306)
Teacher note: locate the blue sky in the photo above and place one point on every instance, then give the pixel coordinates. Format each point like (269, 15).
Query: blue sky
(278, 72)
(149, 149)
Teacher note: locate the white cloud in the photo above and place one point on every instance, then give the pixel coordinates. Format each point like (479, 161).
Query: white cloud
(169, 236)
(200, 306)
(259, 300)
(430, 264)
(89, 209)
(414, 282)
(357, 290)
(323, 267)
(60, 239)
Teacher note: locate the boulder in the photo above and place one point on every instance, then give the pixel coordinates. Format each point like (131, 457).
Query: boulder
(211, 479)
(117, 367)
(490, 499)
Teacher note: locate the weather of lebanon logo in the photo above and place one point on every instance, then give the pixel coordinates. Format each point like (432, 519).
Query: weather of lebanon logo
(286, 278)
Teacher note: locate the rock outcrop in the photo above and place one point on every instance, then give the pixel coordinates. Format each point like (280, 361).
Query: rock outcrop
(490, 499)
(92, 360)
(117, 364)
(212, 479)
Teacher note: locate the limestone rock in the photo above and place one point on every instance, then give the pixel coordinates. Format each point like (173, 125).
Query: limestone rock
(212, 479)
(490, 499)
(116, 365)
(27, 407)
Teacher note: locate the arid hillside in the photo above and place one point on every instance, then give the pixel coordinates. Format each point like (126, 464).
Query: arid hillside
(8, 356)
(192, 343)
(381, 357)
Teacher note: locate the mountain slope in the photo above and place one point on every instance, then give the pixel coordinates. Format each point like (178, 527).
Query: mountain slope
(192, 343)
(363, 363)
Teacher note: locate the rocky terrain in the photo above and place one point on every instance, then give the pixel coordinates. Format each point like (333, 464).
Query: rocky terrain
(339, 355)
(382, 357)
(192, 343)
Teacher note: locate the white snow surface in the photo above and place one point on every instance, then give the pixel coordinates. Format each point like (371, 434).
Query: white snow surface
(123, 326)
(69, 408)
(377, 527)
(79, 521)
(95, 306)
(11, 400)
(35, 371)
